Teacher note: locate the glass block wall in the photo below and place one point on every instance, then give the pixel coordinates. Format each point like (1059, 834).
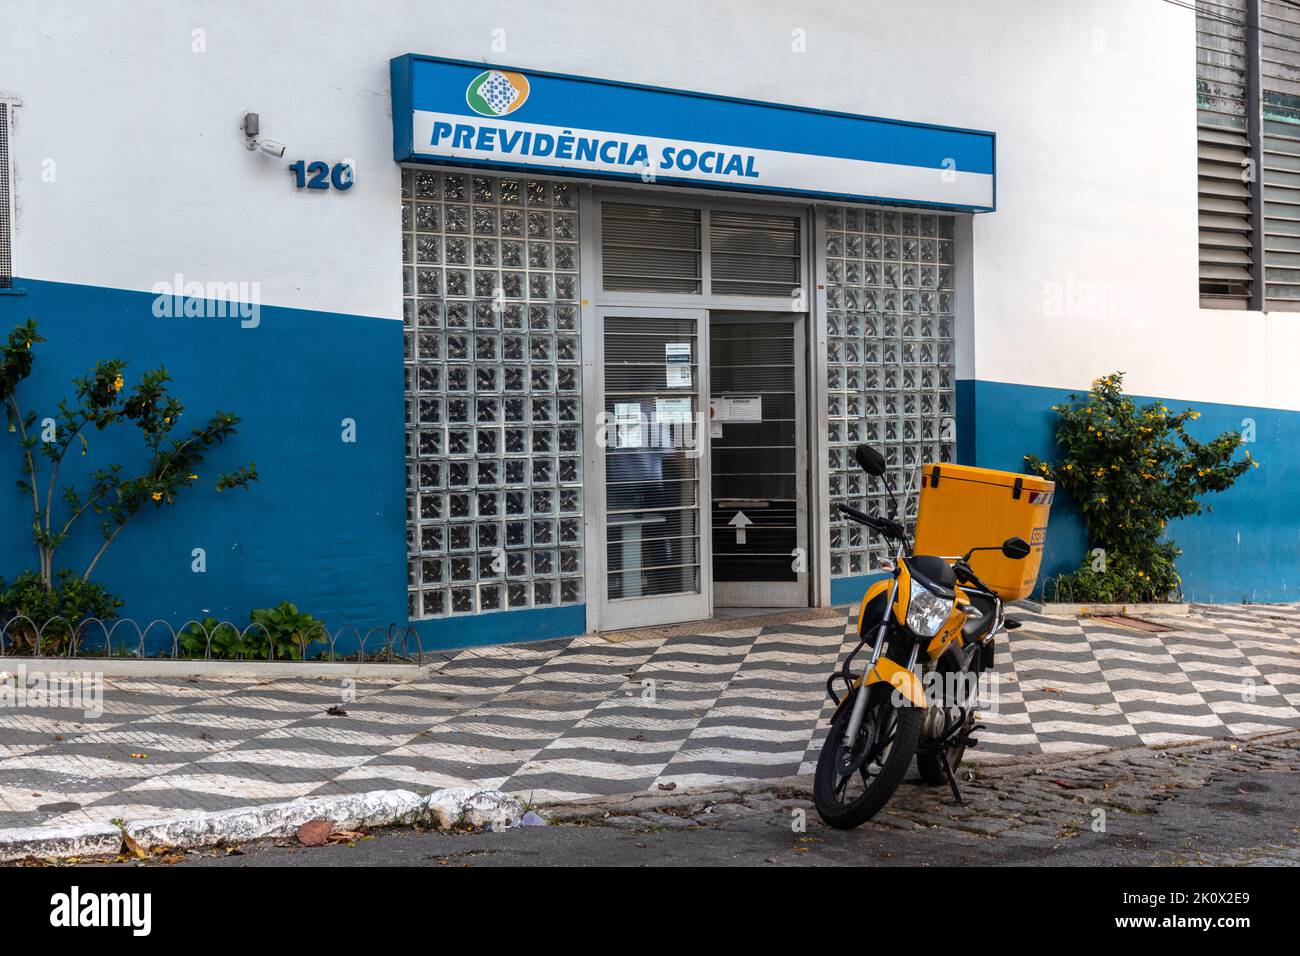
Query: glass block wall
(889, 300)
(493, 393)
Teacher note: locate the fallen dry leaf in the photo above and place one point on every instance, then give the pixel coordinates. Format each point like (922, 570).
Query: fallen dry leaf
(315, 832)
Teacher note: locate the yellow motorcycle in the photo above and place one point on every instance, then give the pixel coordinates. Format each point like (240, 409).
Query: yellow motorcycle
(933, 609)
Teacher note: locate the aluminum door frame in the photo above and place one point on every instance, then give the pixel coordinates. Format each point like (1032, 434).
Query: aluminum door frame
(656, 610)
(788, 594)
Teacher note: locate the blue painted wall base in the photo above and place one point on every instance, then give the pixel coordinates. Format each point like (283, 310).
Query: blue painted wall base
(533, 624)
(849, 590)
(324, 527)
(1247, 548)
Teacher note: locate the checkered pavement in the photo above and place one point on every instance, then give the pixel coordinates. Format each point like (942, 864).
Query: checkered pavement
(725, 702)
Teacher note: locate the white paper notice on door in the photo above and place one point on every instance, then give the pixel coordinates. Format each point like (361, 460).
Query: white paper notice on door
(673, 411)
(677, 362)
(745, 409)
(627, 425)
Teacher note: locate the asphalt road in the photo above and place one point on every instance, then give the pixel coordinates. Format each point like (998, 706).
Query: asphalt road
(1221, 805)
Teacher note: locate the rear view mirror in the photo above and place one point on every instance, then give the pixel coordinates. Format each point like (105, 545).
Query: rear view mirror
(870, 460)
(1015, 548)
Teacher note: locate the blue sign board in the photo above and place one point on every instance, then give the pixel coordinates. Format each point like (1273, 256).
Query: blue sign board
(462, 113)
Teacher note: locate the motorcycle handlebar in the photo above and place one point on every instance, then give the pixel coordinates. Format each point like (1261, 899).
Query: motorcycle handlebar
(884, 525)
(857, 515)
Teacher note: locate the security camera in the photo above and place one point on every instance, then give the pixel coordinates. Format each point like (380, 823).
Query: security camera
(272, 148)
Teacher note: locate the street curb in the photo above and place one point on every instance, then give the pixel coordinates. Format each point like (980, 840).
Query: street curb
(443, 809)
(167, 667)
(61, 843)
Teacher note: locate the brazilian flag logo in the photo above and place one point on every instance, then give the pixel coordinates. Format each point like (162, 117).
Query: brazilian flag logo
(496, 92)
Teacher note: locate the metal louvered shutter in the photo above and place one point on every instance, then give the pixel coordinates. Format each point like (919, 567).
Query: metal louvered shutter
(1223, 154)
(1280, 89)
(649, 248)
(753, 254)
(6, 248)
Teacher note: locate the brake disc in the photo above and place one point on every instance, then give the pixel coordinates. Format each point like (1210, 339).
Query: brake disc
(847, 763)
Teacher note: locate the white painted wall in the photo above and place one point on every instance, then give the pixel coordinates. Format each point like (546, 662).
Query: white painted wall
(1092, 101)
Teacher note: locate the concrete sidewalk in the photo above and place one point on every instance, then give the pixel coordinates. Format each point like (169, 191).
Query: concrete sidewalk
(730, 702)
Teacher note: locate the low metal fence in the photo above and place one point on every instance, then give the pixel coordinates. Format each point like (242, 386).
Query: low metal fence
(20, 636)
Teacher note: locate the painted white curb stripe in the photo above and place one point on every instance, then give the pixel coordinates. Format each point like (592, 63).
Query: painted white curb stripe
(472, 806)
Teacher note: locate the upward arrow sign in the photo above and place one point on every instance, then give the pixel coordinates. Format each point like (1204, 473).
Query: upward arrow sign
(740, 522)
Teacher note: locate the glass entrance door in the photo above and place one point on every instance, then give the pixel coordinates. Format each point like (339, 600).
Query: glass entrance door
(658, 556)
(758, 460)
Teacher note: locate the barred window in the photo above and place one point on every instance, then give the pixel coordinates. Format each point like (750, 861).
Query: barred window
(1280, 142)
(1248, 153)
(1223, 155)
(650, 248)
(753, 253)
(6, 222)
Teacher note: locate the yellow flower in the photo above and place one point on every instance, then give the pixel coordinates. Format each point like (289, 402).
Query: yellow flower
(118, 383)
(156, 496)
(192, 478)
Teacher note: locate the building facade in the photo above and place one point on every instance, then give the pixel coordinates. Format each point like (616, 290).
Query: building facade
(562, 318)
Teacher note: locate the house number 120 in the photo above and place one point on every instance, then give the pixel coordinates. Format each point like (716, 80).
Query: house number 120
(320, 175)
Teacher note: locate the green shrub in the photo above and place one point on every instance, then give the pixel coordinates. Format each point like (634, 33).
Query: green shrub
(1131, 470)
(56, 613)
(283, 627)
(288, 630)
(225, 640)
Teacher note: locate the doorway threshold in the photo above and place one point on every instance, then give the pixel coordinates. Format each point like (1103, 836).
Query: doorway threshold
(731, 613)
(726, 619)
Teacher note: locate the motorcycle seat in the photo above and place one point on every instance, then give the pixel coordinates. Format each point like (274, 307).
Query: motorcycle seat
(977, 627)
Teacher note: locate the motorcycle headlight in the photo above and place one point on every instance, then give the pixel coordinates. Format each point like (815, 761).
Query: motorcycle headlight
(926, 611)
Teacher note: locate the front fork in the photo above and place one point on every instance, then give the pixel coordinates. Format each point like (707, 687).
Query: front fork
(860, 701)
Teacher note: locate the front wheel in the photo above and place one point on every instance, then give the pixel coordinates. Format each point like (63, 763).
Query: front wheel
(887, 738)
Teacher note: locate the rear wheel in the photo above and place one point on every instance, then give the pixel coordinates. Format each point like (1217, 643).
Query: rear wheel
(876, 766)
